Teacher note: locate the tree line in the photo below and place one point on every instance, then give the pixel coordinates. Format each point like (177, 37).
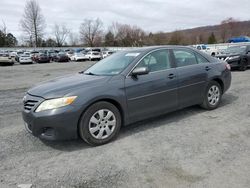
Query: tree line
(7, 39)
(92, 33)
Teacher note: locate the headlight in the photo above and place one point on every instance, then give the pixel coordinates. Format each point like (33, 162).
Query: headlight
(55, 103)
(233, 57)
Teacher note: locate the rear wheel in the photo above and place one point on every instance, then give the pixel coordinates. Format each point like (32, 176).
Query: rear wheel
(212, 96)
(100, 123)
(243, 65)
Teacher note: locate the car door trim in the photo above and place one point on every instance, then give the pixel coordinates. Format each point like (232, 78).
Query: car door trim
(201, 82)
(151, 94)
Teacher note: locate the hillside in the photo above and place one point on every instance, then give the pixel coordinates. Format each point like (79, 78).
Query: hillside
(221, 32)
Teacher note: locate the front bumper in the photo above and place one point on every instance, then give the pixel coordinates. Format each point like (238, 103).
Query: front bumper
(10, 62)
(56, 124)
(25, 61)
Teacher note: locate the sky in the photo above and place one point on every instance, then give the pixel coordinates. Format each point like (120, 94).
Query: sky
(150, 15)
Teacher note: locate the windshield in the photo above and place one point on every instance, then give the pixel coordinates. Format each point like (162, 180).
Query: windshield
(113, 64)
(236, 49)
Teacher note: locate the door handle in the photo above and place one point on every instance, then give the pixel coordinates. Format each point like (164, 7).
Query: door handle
(171, 76)
(207, 68)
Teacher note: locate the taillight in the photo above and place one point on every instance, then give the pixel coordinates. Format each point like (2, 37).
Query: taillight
(228, 67)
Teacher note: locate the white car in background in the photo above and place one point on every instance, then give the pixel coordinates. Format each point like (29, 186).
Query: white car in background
(78, 56)
(106, 53)
(25, 58)
(5, 59)
(93, 55)
(209, 50)
(69, 54)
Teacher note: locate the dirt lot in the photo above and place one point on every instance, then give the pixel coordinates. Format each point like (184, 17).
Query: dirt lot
(188, 148)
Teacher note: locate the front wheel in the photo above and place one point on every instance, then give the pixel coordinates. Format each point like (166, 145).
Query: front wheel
(212, 96)
(100, 123)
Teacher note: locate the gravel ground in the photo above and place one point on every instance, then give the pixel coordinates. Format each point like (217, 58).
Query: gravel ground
(187, 148)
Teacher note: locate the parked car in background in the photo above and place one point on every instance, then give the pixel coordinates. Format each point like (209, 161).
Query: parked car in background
(123, 88)
(236, 57)
(5, 59)
(78, 56)
(42, 58)
(51, 54)
(69, 53)
(13, 54)
(61, 57)
(34, 55)
(239, 39)
(18, 54)
(93, 55)
(106, 53)
(25, 58)
(208, 50)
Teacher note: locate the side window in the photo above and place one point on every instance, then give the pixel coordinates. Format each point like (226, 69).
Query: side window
(184, 58)
(156, 61)
(201, 59)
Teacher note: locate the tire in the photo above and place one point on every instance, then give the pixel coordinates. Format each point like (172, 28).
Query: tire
(243, 65)
(91, 119)
(212, 97)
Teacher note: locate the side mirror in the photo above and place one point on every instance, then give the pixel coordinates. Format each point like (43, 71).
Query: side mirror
(140, 71)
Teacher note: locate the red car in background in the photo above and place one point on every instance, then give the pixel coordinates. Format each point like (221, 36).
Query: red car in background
(61, 57)
(41, 58)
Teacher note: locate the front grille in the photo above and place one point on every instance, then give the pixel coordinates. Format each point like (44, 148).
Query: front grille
(29, 104)
(223, 58)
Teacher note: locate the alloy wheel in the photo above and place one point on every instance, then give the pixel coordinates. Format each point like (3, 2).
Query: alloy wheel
(102, 124)
(213, 95)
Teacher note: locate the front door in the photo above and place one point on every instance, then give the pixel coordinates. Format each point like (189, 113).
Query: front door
(154, 93)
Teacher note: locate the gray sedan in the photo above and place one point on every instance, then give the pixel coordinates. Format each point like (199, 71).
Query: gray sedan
(123, 88)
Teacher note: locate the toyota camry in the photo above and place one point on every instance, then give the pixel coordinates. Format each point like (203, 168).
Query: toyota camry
(124, 88)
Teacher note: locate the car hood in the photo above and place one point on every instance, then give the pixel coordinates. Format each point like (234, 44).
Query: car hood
(62, 86)
(228, 54)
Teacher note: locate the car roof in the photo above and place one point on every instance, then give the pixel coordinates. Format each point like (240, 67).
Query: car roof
(145, 50)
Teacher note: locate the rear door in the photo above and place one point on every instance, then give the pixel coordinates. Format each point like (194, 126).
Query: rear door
(153, 93)
(192, 70)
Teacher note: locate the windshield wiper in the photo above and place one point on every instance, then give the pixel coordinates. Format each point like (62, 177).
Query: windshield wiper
(89, 73)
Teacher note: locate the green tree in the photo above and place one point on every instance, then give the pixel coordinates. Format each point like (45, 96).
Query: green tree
(212, 39)
(2, 38)
(7, 40)
(51, 43)
(109, 39)
(10, 40)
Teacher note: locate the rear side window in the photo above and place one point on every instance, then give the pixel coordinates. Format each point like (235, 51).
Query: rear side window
(184, 58)
(201, 59)
(156, 61)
